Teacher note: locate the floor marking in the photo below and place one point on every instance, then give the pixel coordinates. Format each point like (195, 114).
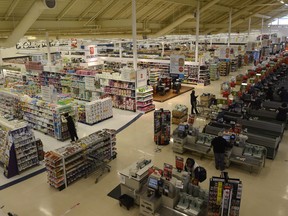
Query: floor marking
(69, 210)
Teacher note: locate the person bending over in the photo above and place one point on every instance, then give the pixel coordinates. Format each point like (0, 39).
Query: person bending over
(71, 126)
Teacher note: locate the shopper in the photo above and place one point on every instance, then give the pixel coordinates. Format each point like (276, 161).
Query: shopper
(71, 126)
(193, 101)
(282, 112)
(269, 94)
(219, 145)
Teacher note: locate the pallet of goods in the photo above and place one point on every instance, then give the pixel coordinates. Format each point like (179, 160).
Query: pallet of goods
(179, 114)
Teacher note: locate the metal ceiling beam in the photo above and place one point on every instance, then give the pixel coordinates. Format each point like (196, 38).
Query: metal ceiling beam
(122, 10)
(223, 19)
(22, 27)
(262, 16)
(239, 21)
(151, 12)
(157, 13)
(87, 10)
(11, 9)
(171, 26)
(100, 11)
(66, 9)
(182, 2)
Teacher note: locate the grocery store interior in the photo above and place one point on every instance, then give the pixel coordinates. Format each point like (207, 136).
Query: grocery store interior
(96, 112)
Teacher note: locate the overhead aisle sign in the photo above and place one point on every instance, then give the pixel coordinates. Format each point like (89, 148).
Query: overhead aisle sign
(177, 64)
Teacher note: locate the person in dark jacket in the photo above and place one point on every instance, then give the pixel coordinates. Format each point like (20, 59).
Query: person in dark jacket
(219, 145)
(71, 126)
(193, 101)
(282, 112)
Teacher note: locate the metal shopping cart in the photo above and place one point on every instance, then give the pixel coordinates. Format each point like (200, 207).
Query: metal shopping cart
(97, 166)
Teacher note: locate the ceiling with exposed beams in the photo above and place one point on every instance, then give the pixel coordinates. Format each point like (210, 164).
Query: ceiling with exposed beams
(112, 18)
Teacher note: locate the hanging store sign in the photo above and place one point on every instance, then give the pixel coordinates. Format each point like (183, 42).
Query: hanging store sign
(177, 64)
(141, 78)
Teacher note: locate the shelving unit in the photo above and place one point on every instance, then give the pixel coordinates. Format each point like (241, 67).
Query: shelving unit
(153, 76)
(191, 73)
(214, 71)
(145, 99)
(122, 91)
(71, 162)
(12, 75)
(162, 127)
(224, 67)
(96, 111)
(234, 65)
(224, 196)
(51, 78)
(204, 75)
(60, 128)
(39, 115)
(10, 106)
(18, 148)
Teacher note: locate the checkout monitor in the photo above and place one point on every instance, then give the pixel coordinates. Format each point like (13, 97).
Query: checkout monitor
(153, 183)
(227, 137)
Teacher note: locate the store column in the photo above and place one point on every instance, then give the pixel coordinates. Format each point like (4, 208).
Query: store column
(197, 31)
(134, 34)
(229, 31)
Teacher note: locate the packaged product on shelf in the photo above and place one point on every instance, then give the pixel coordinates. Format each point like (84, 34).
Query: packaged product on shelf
(80, 158)
(18, 148)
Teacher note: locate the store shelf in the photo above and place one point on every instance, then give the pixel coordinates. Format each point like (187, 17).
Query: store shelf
(73, 160)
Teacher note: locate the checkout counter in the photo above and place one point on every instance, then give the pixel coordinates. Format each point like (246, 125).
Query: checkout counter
(241, 152)
(159, 195)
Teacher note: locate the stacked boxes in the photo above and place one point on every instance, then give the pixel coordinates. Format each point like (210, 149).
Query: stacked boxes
(98, 110)
(179, 114)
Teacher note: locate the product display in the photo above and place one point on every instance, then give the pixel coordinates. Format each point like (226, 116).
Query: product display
(214, 71)
(162, 127)
(224, 196)
(145, 99)
(71, 162)
(96, 111)
(122, 91)
(18, 148)
(10, 106)
(179, 114)
(204, 75)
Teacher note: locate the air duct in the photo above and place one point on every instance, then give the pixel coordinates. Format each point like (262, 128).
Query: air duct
(23, 26)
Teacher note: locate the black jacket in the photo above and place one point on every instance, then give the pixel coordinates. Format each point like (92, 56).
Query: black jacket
(193, 98)
(219, 144)
(282, 113)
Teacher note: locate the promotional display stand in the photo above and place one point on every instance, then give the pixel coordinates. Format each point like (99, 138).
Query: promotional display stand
(224, 196)
(162, 125)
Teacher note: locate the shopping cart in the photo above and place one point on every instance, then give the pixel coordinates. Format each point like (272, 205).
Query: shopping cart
(97, 166)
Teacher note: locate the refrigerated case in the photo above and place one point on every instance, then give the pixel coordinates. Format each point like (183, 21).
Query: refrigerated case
(162, 126)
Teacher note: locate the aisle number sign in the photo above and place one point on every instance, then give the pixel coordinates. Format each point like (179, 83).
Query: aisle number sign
(177, 64)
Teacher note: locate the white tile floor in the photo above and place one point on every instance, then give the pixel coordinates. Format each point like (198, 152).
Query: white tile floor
(264, 193)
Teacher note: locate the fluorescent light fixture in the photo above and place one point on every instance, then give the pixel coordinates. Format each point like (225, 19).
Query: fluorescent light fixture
(244, 84)
(258, 74)
(286, 4)
(282, 2)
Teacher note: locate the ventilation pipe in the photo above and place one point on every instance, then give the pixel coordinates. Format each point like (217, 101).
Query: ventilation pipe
(23, 26)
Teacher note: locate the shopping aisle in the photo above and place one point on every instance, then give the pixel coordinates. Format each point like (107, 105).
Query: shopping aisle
(120, 119)
(265, 193)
